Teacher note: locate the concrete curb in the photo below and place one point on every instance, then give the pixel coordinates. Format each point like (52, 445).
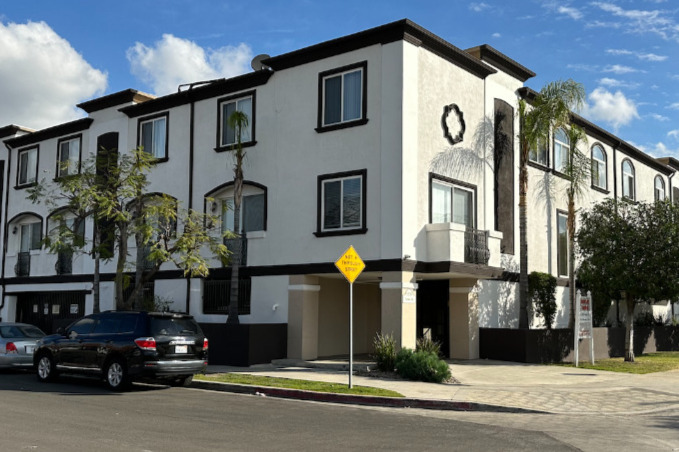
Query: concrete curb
(388, 402)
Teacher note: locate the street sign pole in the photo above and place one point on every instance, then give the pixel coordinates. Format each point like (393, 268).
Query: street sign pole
(351, 333)
(576, 331)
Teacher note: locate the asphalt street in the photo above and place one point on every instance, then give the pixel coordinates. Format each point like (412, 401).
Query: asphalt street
(77, 414)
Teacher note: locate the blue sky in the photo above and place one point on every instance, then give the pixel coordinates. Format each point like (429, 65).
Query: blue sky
(54, 54)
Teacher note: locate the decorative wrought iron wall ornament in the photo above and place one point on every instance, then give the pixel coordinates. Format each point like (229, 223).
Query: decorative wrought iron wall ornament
(453, 120)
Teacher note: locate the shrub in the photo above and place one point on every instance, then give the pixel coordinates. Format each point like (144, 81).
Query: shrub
(542, 289)
(425, 344)
(384, 354)
(421, 366)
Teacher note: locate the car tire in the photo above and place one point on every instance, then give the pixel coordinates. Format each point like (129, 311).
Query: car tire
(46, 369)
(115, 375)
(182, 381)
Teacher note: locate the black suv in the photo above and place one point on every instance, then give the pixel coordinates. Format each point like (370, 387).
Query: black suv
(122, 346)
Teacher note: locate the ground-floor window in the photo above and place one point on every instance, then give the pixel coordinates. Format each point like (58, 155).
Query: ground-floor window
(217, 295)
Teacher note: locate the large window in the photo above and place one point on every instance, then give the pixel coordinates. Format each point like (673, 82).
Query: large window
(659, 188)
(68, 157)
(538, 154)
(342, 202)
(342, 96)
(452, 203)
(31, 235)
(628, 180)
(598, 167)
(561, 151)
(228, 134)
(153, 136)
(562, 243)
(28, 166)
(252, 210)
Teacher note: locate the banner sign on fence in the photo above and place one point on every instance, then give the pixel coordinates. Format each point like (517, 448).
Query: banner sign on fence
(583, 325)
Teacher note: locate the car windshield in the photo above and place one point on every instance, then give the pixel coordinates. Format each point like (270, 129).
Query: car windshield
(173, 326)
(27, 331)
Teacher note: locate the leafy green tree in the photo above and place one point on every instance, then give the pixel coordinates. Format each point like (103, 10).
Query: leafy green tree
(119, 197)
(542, 288)
(634, 248)
(548, 110)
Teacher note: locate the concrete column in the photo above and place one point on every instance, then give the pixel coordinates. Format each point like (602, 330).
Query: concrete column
(303, 317)
(463, 303)
(399, 307)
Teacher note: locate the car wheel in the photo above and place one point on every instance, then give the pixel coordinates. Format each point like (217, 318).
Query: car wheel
(116, 375)
(182, 381)
(46, 369)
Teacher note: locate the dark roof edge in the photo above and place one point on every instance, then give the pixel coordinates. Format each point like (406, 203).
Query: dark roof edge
(213, 89)
(400, 30)
(115, 99)
(669, 161)
(51, 132)
(605, 136)
(13, 129)
(498, 59)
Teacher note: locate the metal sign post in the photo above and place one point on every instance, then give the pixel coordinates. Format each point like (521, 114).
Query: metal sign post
(583, 325)
(350, 265)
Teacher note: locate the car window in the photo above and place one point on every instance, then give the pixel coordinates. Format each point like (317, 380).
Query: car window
(163, 326)
(28, 331)
(107, 325)
(83, 326)
(128, 323)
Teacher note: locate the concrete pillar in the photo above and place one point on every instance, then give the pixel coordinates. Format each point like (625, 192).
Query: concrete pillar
(303, 294)
(463, 304)
(399, 307)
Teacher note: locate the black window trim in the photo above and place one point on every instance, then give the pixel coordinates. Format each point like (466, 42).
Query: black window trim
(591, 156)
(664, 189)
(634, 179)
(453, 182)
(166, 115)
(252, 121)
(362, 229)
(320, 128)
(79, 137)
(568, 147)
(19, 185)
(540, 166)
(216, 193)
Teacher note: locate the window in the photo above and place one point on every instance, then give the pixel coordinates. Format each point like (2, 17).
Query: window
(598, 167)
(31, 235)
(342, 99)
(251, 213)
(562, 243)
(452, 203)
(68, 157)
(28, 166)
(561, 151)
(539, 154)
(342, 203)
(228, 136)
(659, 188)
(153, 136)
(628, 180)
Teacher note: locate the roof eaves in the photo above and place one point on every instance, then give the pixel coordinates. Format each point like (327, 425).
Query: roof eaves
(49, 133)
(498, 59)
(115, 99)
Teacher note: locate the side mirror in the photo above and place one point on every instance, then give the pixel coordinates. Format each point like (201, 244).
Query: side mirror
(72, 335)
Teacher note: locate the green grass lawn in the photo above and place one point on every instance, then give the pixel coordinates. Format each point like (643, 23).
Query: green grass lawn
(643, 364)
(337, 388)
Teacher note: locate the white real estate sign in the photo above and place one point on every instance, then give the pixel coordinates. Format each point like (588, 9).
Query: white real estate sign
(583, 325)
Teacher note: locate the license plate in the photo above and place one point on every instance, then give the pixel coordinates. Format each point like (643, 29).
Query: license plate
(29, 349)
(181, 349)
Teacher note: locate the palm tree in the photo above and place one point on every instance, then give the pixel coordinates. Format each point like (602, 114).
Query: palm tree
(237, 120)
(551, 108)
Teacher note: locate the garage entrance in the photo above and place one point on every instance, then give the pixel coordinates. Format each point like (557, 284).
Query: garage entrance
(50, 310)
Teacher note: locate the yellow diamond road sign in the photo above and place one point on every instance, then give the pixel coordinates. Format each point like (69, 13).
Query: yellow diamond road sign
(350, 264)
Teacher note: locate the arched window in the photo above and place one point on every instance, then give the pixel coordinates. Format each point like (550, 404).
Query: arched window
(659, 190)
(628, 180)
(253, 207)
(561, 150)
(599, 166)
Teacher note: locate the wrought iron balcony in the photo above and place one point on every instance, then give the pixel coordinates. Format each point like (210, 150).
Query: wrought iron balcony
(476, 247)
(23, 265)
(64, 265)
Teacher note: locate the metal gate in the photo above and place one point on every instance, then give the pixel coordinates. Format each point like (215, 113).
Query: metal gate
(50, 310)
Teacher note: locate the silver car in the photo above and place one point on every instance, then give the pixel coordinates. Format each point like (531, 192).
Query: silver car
(17, 343)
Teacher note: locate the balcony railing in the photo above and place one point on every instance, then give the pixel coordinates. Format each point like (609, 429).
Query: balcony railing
(64, 265)
(217, 296)
(23, 265)
(476, 247)
(238, 246)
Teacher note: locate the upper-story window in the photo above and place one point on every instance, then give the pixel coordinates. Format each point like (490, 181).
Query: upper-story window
(252, 212)
(342, 203)
(452, 202)
(153, 135)
(562, 243)
(598, 167)
(28, 166)
(561, 151)
(342, 97)
(68, 157)
(31, 236)
(538, 154)
(659, 188)
(227, 134)
(628, 190)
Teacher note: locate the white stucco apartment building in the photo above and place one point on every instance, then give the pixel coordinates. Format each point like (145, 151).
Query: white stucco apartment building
(391, 140)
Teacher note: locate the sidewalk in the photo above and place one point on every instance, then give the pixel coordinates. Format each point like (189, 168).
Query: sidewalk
(483, 386)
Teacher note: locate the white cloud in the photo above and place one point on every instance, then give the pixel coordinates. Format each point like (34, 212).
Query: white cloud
(674, 134)
(659, 118)
(496, 35)
(619, 69)
(478, 7)
(612, 108)
(173, 61)
(615, 83)
(638, 21)
(571, 12)
(639, 55)
(42, 77)
(659, 150)
(674, 106)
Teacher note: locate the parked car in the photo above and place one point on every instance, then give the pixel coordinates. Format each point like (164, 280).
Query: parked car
(17, 344)
(122, 346)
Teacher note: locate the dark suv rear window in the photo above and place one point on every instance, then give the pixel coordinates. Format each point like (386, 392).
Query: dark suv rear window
(173, 326)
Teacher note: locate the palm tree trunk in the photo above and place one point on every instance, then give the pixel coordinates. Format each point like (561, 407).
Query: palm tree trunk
(95, 277)
(523, 243)
(571, 259)
(236, 256)
(629, 329)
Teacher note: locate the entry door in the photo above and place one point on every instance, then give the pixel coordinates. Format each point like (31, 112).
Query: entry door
(432, 312)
